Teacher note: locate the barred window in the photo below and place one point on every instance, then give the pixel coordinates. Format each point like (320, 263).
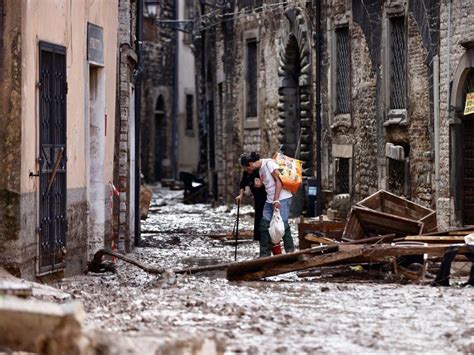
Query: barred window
(342, 175)
(251, 78)
(189, 112)
(343, 67)
(188, 15)
(397, 63)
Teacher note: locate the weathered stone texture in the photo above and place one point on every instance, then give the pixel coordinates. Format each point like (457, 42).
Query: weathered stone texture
(421, 119)
(364, 94)
(10, 136)
(455, 28)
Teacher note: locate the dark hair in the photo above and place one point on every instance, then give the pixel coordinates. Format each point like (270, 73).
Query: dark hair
(246, 159)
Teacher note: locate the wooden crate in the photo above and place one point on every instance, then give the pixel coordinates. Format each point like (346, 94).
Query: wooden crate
(384, 213)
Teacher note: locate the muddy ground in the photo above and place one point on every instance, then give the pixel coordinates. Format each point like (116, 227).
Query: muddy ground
(285, 314)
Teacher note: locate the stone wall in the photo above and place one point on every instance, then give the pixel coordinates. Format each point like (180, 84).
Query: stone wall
(127, 59)
(456, 28)
(10, 138)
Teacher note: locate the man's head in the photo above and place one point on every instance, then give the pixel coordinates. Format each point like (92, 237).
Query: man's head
(249, 161)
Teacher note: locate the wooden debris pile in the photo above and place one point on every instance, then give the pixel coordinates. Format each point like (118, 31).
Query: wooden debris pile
(384, 230)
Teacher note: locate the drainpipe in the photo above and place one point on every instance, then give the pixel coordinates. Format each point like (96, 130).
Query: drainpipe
(436, 121)
(174, 110)
(138, 84)
(317, 8)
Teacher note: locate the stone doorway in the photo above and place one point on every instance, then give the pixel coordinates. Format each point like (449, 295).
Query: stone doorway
(295, 114)
(468, 157)
(462, 142)
(160, 140)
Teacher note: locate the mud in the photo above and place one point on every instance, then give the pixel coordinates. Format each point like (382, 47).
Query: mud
(284, 314)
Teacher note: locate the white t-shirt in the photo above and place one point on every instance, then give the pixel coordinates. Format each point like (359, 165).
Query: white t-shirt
(268, 166)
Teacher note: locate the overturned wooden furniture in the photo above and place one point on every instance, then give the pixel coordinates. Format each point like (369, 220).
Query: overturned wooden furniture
(384, 212)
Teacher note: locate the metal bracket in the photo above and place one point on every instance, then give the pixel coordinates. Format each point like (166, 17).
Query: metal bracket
(185, 26)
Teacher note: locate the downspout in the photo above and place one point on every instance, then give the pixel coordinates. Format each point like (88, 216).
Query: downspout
(174, 109)
(436, 121)
(138, 83)
(317, 7)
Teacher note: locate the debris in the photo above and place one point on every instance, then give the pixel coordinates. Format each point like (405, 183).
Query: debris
(328, 255)
(18, 288)
(145, 198)
(194, 188)
(99, 266)
(320, 228)
(42, 327)
(383, 213)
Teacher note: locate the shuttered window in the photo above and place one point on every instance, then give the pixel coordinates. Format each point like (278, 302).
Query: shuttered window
(251, 78)
(397, 63)
(189, 112)
(343, 68)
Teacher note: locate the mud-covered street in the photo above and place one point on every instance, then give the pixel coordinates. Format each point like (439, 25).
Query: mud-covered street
(285, 314)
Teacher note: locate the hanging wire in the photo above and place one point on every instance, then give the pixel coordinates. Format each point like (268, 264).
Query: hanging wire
(216, 18)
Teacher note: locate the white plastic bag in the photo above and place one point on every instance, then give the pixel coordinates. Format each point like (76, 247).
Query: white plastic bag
(277, 227)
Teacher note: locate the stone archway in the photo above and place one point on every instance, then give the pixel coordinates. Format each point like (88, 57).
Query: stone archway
(462, 156)
(295, 114)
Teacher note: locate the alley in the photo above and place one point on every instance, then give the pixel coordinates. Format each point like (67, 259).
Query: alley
(284, 314)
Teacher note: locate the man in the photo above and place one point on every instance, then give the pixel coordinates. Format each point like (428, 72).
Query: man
(277, 198)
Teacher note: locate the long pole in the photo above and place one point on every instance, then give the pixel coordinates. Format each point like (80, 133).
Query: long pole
(237, 230)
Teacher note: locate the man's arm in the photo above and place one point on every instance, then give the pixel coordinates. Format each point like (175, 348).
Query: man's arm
(278, 187)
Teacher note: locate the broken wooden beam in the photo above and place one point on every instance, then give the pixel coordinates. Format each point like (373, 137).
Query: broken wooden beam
(262, 267)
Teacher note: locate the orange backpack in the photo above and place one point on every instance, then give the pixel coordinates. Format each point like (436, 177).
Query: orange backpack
(291, 172)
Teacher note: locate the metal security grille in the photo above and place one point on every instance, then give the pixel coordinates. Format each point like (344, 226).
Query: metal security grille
(342, 175)
(397, 63)
(1, 39)
(52, 159)
(189, 111)
(251, 78)
(468, 172)
(343, 67)
(396, 176)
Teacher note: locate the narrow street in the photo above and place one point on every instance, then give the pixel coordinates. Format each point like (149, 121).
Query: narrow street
(285, 314)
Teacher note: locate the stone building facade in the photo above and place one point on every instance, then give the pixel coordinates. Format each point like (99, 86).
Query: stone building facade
(158, 139)
(353, 88)
(125, 157)
(455, 141)
(57, 104)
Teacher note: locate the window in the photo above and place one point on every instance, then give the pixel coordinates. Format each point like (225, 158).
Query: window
(251, 78)
(397, 70)
(396, 176)
(189, 112)
(188, 15)
(343, 67)
(342, 175)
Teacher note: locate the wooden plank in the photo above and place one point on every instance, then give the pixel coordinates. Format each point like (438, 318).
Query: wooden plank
(373, 201)
(322, 240)
(436, 239)
(380, 251)
(234, 272)
(353, 229)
